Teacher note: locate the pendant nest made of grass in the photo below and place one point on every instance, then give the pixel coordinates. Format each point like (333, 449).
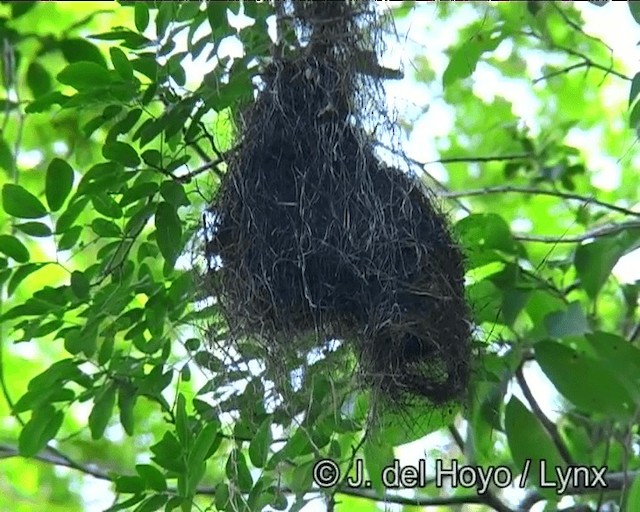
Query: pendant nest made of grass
(314, 234)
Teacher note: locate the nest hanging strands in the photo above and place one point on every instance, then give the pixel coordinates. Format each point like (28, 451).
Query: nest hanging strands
(315, 235)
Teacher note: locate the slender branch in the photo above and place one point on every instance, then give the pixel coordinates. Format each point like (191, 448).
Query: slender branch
(472, 159)
(613, 481)
(546, 422)
(600, 231)
(539, 192)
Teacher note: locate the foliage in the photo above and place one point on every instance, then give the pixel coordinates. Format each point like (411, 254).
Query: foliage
(111, 150)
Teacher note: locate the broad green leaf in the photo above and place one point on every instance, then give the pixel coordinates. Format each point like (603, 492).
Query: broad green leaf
(129, 484)
(530, 444)
(102, 411)
(173, 192)
(81, 50)
(377, 455)
(70, 215)
(80, 284)
(260, 444)
(84, 75)
(20, 274)
(634, 7)
(634, 90)
(168, 232)
(141, 16)
(14, 248)
(168, 453)
(217, 14)
(36, 229)
(152, 477)
(202, 444)
(6, 156)
(619, 357)
(38, 79)
(69, 238)
(562, 364)
(237, 470)
(121, 63)
(39, 430)
(465, 58)
(122, 153)
(106, 205)
(182, 421)
(572, 322)
(633, 493)
(59, 183)
(21, 203)
(105, 228)
(595, 261)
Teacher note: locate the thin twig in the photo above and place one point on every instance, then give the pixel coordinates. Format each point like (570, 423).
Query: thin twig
(600, 231)
(539, 192)
(546, 422)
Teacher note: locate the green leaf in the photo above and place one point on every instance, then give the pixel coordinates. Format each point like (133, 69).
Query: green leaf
(238, 471)
(20, 274)
(572, 322)
(129, 484)
(120, 63)
(202, 445)
(168, 232)
(6, 156)
(69, 238)
(84, 75)
(377, 455)
(464, 60)
(81, 50)
(106, 205)
(59, 182)
(633, 495)
(102, 411)
(635, 89)
(182, 421)
(36, 229)
(173, 192)
(595, 261)
(168, 453)
(217, 14)
(634, 8)
(38, 79)
(14, 248)
(530, 444)
(562, 364)
(619, 357)
(260, 444)
(39, 430)
(122, 153)
(105, 228)
(126, 403)
(152, 477)
(18, 202)
(141, 16)
(80, 284)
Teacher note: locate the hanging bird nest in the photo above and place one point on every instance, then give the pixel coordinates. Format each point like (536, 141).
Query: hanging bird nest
(314, 238)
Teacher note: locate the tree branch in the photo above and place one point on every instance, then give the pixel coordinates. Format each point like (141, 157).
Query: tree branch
(546, 422)
(614, 481)
(600, 231)
(539, 192)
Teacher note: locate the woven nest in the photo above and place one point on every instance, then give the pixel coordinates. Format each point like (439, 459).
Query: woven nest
(312, 234)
